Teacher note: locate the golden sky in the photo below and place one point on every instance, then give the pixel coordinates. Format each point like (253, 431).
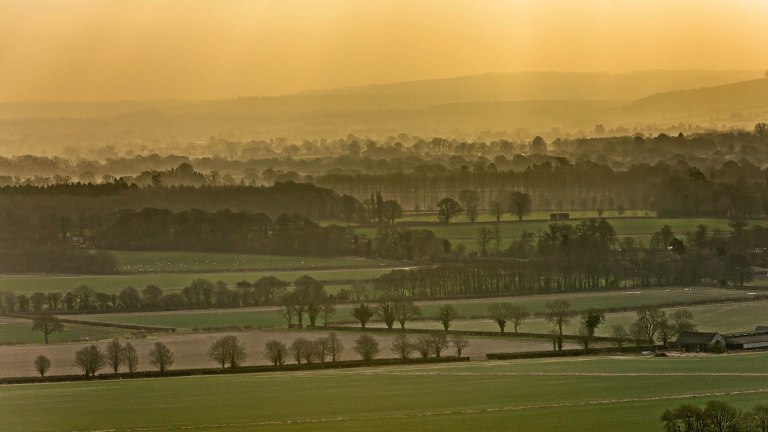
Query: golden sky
(149, 49)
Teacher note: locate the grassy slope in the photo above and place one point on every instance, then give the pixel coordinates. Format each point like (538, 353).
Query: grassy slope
(475, 396)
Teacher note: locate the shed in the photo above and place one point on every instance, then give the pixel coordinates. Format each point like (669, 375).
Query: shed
(700, 341)
(747, 340)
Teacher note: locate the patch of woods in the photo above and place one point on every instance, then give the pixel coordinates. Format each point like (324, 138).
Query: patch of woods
(589, 256)
(715, 416)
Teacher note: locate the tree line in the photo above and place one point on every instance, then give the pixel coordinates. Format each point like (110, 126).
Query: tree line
(716, 416)
(589, 256)
(229, 352)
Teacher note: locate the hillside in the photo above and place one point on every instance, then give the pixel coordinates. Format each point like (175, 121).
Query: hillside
(739, 98)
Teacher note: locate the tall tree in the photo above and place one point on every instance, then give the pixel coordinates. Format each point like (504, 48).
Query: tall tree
(161, 357)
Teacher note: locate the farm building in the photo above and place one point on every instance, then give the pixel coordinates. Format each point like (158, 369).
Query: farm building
(761, 329)
(700, 341)
(747, 340)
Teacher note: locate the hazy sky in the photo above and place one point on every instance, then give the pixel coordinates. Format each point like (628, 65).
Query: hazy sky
(139, 49)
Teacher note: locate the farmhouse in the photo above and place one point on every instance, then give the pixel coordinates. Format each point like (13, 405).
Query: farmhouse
(700, 341)
(747, 340)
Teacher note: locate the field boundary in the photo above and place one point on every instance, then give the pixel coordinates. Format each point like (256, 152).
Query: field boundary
(565, 353)
(345, 364)
(151, 329)
(472, 333)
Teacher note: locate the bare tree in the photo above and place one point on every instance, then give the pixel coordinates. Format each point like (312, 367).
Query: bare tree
(402, 346)
(648, 319)
(276, 352)
(327, 309)
(47, 324)
(439, 343)
(161, 356)
(299, 348)
(516, 314)
(227, 350)
(559, 314)
(423, 346)
(90, 359)
(130, 357)
(367, 347)
(406, 310)
(335, 347)
(320, 348)
(446, 314)
(42, 364)
(114, 355)
(459, 343)
(620, 334)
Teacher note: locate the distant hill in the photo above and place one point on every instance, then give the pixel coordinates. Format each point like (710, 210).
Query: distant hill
(739, 97)
(531, 102)
(543, 86)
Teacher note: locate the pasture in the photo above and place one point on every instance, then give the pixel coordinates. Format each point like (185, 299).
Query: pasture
(267, 317)
(196, 262)
(582, 394)
(721, 317)
(641, 229)
(19, 331)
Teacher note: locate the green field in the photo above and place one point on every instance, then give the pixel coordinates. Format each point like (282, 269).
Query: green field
(584, 394)
(169, 282)
(639, 228)
(268, 317)
(196, 262)
(485, 216)
(19, 331)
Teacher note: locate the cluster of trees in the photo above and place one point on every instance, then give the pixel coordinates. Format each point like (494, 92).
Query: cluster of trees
(224, 230)
(589, 256)
(425, 346)
(116, 355)
(716, 416)
(318, 350)
(653, 324)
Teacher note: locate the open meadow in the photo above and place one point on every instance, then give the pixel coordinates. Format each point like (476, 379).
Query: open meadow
(579, 394)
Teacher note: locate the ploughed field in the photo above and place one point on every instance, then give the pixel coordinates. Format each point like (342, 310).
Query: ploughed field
(190, 349)
(577, 394)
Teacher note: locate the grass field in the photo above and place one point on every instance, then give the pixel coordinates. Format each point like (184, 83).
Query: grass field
(169, 282)
(584, 394)
(638, 228)
(725, 318)
(268, 317)
(195, 262)
(19, 331)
